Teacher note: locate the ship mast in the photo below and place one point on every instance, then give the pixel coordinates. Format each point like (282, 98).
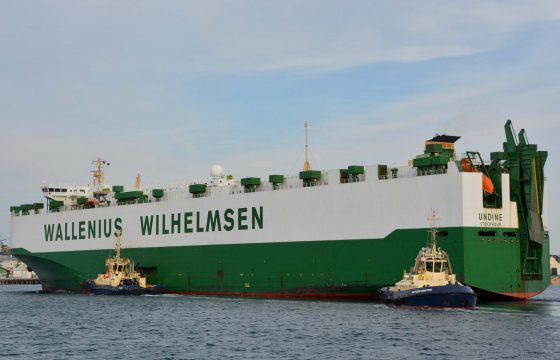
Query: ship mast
(137, 183)
(306, 165)
(432, 219)
(118, 245)
(98, 174)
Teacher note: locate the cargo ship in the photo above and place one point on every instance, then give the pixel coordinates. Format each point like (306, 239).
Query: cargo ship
(321, 234)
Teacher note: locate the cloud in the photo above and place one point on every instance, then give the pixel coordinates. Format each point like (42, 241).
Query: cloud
(346, 60)
(96, 40)
(142, 84)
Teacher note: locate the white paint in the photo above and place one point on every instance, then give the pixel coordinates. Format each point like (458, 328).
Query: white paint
(368, 209)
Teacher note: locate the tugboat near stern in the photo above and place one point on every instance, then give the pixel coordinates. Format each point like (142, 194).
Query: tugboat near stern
(431, 283)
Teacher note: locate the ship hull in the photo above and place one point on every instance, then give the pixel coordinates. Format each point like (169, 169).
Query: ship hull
(121, 290)
(334, 240)
(346, 269)
(447, 296)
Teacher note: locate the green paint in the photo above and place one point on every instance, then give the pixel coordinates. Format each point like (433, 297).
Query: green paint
(241, 218)
(198, 222)
(165, 230)
(176, 223)
(257, 218)
(82, 230)
(342, 266)
(59, 232)
(146, 224)
(49, 230)
(188, 222)
(107, 227)
(118, 222)
(91, 230)
(228, 217)
(213, 221)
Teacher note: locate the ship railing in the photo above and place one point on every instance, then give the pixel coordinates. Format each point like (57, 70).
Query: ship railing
(351, 180)
(432, 172)
(388, 177)
(315, 183)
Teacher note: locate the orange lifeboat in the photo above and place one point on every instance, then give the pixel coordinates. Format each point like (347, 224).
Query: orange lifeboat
(92, 202)
(465, 163)
(487, 185)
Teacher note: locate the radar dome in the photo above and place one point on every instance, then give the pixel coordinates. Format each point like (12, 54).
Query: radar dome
(216, 171)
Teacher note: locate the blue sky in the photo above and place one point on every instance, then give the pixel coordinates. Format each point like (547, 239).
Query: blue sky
(169, 88)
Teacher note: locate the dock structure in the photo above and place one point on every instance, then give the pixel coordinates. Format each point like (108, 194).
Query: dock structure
(14, 271)
(16, 281)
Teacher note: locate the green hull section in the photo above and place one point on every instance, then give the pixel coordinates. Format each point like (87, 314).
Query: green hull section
(488, 259)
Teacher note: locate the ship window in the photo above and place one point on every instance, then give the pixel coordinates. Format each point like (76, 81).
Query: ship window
(430, 266)
(51, 189)
(64, 190)
(486, 233)
(444, 267)
(437, 267)
(510, 234)
(82, 191)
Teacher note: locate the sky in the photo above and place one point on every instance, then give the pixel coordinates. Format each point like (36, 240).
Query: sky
(169, 88)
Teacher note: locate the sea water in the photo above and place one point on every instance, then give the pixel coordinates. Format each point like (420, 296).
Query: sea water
(38, 325)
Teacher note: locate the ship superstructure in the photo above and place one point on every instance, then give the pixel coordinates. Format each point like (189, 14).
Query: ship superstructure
(341, 233)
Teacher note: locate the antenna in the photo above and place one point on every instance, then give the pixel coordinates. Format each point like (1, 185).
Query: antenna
(432, 219)
(118, 234)
(306, 165)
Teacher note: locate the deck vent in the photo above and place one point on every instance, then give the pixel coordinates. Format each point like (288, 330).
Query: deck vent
(310, 177)
(157, 193)
(197, 189)
(276, 180)
(250, 183)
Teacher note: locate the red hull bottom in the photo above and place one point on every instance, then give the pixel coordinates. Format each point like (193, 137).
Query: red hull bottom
(505, 296)
(310, 296)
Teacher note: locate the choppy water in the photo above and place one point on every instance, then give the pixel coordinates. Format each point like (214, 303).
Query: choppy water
(61, 326)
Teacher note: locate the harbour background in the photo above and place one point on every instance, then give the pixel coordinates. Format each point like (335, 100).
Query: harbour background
(67, 326)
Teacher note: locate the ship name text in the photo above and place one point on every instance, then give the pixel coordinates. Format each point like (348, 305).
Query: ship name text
(81, 230)
(245, 218)
(490, 219)
(198, 221)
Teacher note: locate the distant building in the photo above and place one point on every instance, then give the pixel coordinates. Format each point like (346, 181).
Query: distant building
(555, 269)
(554, 265)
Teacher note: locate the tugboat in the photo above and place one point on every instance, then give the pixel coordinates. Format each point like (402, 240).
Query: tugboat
(431, 283)
(121, 278)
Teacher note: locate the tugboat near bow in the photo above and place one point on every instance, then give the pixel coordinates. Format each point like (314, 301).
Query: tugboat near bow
(121, 277)
(431, 283)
